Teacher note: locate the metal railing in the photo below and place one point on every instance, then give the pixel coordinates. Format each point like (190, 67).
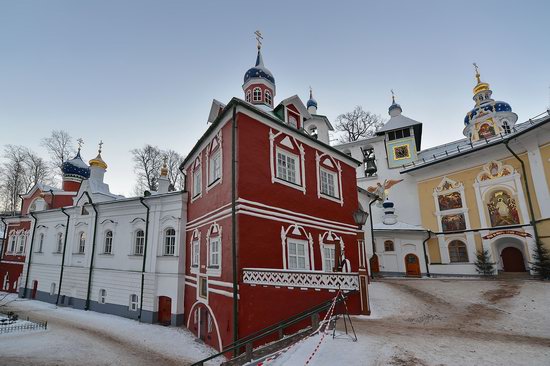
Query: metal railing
(23, 327)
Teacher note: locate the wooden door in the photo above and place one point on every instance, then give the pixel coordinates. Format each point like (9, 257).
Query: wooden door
(165, 310)
(512, 260)
(203, 323)
(34, 289)
(374, 265)
(412, 265)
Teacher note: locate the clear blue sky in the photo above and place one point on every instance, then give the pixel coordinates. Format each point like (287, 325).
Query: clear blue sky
(136, 72)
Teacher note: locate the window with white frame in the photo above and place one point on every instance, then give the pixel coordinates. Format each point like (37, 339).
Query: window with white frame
(328, 263)
(195, 252)
(329, 183)
(197, 181)
(248, 96)
(134, 303)
(215, 166)
(21, 243)
(40, 242)
(287, 167)
(13, 244)
(81, 242)
(214, 252)
(298, 257)
(108, 242)
(268, 98)
(102, 298)
(139, 242)
(257, 94)
(59, 247)
(203, 287)
(169, 241)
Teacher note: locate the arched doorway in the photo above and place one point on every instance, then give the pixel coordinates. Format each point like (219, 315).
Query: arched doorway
(165, 310)
(512, 260)
(412, 265)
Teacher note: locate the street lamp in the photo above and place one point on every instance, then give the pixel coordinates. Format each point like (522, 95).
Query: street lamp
(360, 217)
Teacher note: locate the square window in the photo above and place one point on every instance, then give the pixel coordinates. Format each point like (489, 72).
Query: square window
(214, 252)
(329, 258)
(203, 287)
(286, 167)
(297, 254)
(328, 183)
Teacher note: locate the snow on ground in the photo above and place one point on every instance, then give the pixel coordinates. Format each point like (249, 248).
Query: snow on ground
(90, 338)
(441, 322)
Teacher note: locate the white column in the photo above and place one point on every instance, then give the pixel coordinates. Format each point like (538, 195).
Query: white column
(539, 179)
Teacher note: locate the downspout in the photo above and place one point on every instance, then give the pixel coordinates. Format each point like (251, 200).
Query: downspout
(30, 255)
(524, 176)
(63, 255)
(372, 234)
(53, 196)
(141, 199)
(5, 239)
(87, 307)
(234, 227)
(426, 253)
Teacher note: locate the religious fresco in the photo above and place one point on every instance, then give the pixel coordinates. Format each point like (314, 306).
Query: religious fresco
(486, 131)
(453, 222)
(495, 169)
(449, 201)
(401, 152)
(502, 209)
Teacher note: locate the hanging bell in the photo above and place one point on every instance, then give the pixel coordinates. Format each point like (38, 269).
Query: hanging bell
(370, 167)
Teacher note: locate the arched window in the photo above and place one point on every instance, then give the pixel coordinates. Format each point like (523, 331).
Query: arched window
(139, 242)
(13, 243)
(268, 99)
(458, 252)
(59, 247)
(248, 96)
(388, 246)
(108, 242)
(21, 243)
(40, 243)
(506, 127)
(82, 242)
(257, 94)
(133, 302)
(169, 241)
(102, 296)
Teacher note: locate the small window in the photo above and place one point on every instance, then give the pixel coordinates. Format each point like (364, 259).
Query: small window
(388, 246)
(197, 181)
(215, 166)
(458, 252)
(13, 243)
(102, 296)
(203, 287)
(169, 241)
(268, 99)
(391, 135)
(21, 242)
(328, 183)
(407, 132)
(292, 121)
(40, 243)
(398, 134)
(82, 242)
(287, 167)
(214, 252)
(257, 95)
(108, 244)
(139, 242)
(506, 127)
(329, 258)
(297, 254)
(59, 242)
(134, 302)
(52, 289)
(248, 96)
(195, 253)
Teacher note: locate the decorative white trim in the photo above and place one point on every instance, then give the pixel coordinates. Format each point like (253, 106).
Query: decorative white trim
(338, 175)
(216, 272)
(195, 236)
(217, 139)
(297, 230)
(300, 171)
(197, 164)
(213, 319)
(301, 279)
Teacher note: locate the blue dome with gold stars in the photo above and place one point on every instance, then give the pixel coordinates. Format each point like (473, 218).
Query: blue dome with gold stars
(489, 107)
(259, 71)
(76, 167)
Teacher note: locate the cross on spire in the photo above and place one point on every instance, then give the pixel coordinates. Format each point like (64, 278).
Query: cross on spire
(392, 96)
(100, 145)
(310, 92)
(477, 72)
(259, 38)
(80, 143)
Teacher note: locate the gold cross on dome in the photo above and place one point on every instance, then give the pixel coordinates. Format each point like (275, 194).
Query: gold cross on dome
(477, 72)
(100, 145)
(80, 142)
(259, 38)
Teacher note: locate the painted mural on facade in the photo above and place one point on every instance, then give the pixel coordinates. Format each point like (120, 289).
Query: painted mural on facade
(502, 209)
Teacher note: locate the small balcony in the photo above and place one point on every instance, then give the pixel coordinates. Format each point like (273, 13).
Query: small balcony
(301, 279)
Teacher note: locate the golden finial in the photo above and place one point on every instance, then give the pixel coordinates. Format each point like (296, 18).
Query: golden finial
(259, 38)
(98, 160)
(164, 169)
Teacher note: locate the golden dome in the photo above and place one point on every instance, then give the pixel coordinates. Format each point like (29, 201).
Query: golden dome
(164, 169)
(480, 85)
(98, 160)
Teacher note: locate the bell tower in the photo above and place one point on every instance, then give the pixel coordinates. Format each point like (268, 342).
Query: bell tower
(259, 83)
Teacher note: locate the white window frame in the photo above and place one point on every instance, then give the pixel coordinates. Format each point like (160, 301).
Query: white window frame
(337, 175)
(81, 242)
(331, 258)
(102, 297)
(137, 245)
(215, 169)
(257, 97)
(109, 239)
(201, 298)
(13, 243)
(195, 246)
(133, 305)
(287, 157)
(248, 96)
(21, 239)
(300, 162)
(335, 188)
(41, 237)
(297, 242)
(169, 242)
(59, 244)
(267, 97)
(197, 182)
(211, 269)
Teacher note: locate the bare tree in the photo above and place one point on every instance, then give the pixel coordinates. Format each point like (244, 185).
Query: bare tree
(60, 148)
(36, 170)
(147, 163)
(173, 161)
(358, 124)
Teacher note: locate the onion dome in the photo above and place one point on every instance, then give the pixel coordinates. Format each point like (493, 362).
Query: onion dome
(98, 160)
(259, 71)
(394, 109)
(76, 168)
(164, 169)
(311, 102)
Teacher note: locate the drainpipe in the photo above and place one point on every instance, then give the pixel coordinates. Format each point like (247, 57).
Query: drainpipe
(30, 255)
(372, 233)
(524, 176)
(426, 253)
(5, 239)
(87, 307)
(234, 228)
(53, 196)
(63, 255)
(141, 199)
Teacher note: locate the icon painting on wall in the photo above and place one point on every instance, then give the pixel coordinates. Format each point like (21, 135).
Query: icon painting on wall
(502, 209)
(453, 222)
(449, 201)
(486, 131)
